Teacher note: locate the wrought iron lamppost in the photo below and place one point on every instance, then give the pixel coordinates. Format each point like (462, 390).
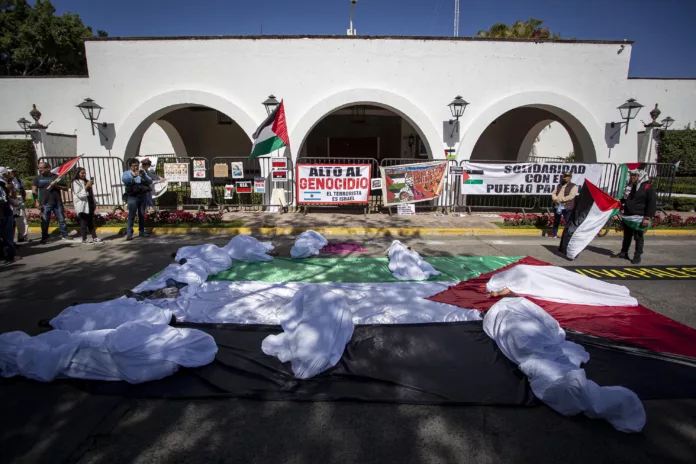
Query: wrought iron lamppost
(91, 111)
(457, 108)
(628, 110)
(271, 103)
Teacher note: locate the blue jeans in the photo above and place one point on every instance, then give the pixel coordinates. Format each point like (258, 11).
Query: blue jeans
(57, 210)
(7, 237)
(136, 204)
(557, 219)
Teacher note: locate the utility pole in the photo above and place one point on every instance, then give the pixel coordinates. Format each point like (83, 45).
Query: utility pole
(456, 18)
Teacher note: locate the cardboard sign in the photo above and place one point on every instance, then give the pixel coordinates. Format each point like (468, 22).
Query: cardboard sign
(406, 209)
(259, 185)
(411, 183)
(333, 183)
(221, 170)
(523, 178)
(176, 172)
(237, 170)
(201, 189)
(280, 176)
(199, 169)
(243, 186)
(229, 191)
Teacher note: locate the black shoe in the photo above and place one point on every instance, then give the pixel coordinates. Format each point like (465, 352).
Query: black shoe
(129, 238)
(143, 234)
(636, 259)
(43, 241)
(623, 255)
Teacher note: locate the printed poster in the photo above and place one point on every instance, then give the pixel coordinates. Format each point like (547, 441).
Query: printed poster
(280, 176)
(523, 178)
(243, 186)
(411, 183)
(201, 189)
(333, 183)
(406, 209)
(377, 183)
(237, 170)
(176, 172)
(279, 164)
(259, 185)
(229, 191)
(199, 169)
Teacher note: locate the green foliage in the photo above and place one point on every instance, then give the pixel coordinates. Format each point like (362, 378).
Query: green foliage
(19, 155)
(679, 145)
(35, 41)
(684, 204)
(684, 185)
(530, 29)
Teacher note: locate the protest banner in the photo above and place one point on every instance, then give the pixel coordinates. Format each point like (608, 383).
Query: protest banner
(199, 169)
(176, 172)
(412, 183)
(523, 178)
(243, 186)
(201, 189)
(333, 183)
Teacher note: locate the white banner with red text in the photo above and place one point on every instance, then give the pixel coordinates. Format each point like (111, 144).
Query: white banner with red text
(333, 184)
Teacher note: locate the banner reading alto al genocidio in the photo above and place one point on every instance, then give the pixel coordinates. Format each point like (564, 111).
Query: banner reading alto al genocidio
(523, 178)
(333, 183)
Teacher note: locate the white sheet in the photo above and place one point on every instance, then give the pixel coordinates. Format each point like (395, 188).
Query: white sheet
(317, 324)
(308, 243)
(553, 283)
(135, 352)
(532, 339)
(262, 302)
(406, 264)
(109, 315)
(217, 259)
(194, 273)
(247, 248)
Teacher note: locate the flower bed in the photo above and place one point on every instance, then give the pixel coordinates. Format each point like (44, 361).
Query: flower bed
(157, 218)
(545, 221)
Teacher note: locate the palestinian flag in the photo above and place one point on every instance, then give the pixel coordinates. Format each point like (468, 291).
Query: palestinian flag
(65, 168)
(271, 135)
(592, 211)
(635, 222)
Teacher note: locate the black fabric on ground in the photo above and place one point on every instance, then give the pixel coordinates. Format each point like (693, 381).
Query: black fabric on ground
(453, 363)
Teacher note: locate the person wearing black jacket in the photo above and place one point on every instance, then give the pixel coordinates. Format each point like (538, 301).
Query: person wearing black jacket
(639, 200)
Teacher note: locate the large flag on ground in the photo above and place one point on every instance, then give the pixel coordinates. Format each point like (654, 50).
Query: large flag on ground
(592, 210)
(271, 135)
(65, 168)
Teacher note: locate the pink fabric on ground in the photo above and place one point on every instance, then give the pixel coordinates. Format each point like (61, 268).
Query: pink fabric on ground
(343, 247)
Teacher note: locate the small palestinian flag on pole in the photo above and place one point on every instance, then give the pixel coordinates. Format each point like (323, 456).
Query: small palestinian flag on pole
(65, 168)
(271, 135)
(592, 211)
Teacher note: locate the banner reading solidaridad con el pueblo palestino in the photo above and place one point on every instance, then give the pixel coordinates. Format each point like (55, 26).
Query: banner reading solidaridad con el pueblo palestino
(333, 184)
(523, 178)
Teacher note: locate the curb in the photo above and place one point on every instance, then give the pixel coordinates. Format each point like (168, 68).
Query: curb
(369, 231)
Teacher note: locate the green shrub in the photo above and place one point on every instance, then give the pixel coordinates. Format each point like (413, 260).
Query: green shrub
(19, 155)
(678, 145)
(683, 204)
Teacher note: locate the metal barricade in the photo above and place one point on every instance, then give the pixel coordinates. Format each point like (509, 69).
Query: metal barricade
(608, 182)
(106, 172)
(447, 200)
(244, 169)
(375, 201)
(178, 194)
(662, 177)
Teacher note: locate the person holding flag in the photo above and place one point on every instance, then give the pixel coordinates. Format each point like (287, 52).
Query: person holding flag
(48, 185)
(639, 206)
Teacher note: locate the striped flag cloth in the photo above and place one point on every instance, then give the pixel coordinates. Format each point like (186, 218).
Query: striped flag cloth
(592, 210)
(271, 135)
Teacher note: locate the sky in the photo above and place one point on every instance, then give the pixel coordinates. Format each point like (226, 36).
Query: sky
(662, 30)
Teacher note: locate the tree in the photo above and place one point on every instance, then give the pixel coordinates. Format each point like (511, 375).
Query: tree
(35, 41)
(530, 29)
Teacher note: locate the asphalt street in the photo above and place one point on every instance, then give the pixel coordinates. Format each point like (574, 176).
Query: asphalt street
(59, 423)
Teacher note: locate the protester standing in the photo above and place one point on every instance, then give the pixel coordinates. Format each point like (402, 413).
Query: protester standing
(639, 200)
(147, 167)
(85, 204)
(7, 246)
(48, 187)
(138, 184)
(563, 202)
(19, 210)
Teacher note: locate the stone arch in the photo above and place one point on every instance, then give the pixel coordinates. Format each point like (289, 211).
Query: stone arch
(583, 128)
(387, 100)
(153, 140)
(132, 128)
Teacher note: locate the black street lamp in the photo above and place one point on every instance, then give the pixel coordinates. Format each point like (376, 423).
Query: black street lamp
(91, 111)
(667, 122)
(628, 110)
(457, 108)
(271, 103)
(24, 124)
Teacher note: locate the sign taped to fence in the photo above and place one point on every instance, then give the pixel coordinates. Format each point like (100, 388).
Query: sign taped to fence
(201, 189)
(229, 192)
(176, 172)
(237, 170)
(280, 176)
(199, 169)
(243, 186)
(259, 185)
(334, 184)
(221, 170)
(523, 178)
(411, 183)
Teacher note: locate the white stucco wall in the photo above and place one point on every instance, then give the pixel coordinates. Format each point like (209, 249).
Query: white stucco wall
(554, 142)
(155, 142)
(139, 81)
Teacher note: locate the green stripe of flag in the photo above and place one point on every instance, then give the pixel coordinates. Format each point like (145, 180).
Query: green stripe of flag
(267, 146)
(474, 182)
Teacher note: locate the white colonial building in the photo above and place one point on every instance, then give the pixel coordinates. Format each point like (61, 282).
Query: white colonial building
(375, 97)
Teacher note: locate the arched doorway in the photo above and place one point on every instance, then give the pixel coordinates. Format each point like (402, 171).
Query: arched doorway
(518, 135)
(364, 131)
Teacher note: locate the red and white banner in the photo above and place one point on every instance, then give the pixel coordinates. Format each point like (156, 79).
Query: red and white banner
(333, 184)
